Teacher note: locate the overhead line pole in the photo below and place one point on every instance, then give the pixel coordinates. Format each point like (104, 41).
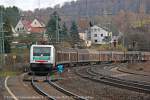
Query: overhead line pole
(2, 49)
(57, 29)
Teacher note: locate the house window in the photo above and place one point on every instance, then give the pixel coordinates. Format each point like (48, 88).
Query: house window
(101, 35)
(95, 35)
(18, 29)
(34, 22)
(95, 40)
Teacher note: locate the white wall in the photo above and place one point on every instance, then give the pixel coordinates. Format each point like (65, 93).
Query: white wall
(20, 27)
(98, 34)
(36, 23)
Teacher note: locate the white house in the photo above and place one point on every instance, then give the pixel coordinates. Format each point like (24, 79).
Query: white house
(98, 34)
(36, 23)
(23, 26)
(83, 36)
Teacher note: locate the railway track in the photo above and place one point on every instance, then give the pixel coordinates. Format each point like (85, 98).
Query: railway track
(18, 89)
(113, 81)
(40, 91)
(52, 91)
(125, 70)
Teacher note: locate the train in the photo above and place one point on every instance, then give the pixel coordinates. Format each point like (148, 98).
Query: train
(45, 58)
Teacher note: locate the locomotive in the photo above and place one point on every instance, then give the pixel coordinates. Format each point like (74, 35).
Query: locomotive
(45, 58)
(42, 57)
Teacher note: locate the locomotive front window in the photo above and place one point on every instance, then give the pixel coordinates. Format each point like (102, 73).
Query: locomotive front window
(41, 51)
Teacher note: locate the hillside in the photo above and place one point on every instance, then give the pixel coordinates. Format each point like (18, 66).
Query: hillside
(84, 8)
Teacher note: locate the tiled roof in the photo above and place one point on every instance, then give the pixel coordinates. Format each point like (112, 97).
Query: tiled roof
(37, 30)
(29, 28)
(27, 24)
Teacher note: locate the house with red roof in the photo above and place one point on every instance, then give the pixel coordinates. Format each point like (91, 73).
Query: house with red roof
(37, 27)
(27, 27)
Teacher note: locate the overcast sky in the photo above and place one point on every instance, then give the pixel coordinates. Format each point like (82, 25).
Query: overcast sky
(32, 4)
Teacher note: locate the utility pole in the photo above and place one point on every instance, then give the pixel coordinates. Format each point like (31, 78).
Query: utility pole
(2, 50)
(57, 29)
(87, 15)
(39, 3)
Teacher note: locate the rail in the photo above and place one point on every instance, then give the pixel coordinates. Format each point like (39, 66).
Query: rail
(41, 91)
(76, 97)
(113, 81)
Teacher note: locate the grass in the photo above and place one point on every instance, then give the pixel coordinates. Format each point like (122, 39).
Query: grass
(20, 50)
(9, 73)
(108, 47)
(140, 23)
